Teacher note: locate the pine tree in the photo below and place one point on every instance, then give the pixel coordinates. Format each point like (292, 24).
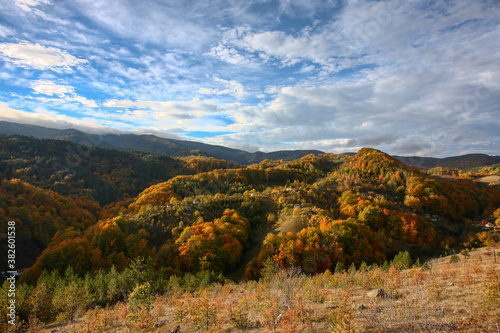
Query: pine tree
(339, 268)
(402, 260)
(71, 295)
(385, 266)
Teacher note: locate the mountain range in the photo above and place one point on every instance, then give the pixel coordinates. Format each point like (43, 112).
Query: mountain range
(150, 143)
(179, 148)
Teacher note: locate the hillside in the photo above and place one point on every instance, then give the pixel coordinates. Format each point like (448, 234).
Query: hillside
(490, 170)
(382, 203)
(92, 173)
(149, 143)
(318, 213)
(39, 215)
(444, 295)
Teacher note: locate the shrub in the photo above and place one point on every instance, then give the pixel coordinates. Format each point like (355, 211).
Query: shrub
(342, 317)
(492, 286)
(454, 258)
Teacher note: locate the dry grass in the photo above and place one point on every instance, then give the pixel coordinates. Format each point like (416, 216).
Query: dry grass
(459, 297)
(490, 179)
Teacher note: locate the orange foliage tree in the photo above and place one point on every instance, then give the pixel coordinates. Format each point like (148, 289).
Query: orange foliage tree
(214, 246)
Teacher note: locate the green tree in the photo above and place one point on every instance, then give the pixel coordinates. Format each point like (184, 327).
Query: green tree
(71, 295)
(42, 295)
(402, 260)
(268, 272)
(339, 268)
(141, 298)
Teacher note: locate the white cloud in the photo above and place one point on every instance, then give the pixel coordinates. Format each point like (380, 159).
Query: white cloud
(5, 31)
(27, 4)
(289, 49)
(82, 100)
(39, 57)
(232, 87)
(307, 69)
(173, 112)
(365, 33)
(64, 92)
(228, 54)
(50, 88)
(49, 119)
(162, 23)
(114, 103)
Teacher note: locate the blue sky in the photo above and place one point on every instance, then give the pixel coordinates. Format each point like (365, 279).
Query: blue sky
(406, 77)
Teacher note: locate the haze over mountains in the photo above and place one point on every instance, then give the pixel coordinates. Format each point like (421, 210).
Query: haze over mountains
(150, 143)
(177, 148)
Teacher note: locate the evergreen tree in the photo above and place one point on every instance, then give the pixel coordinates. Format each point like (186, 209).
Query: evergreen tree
(402, 260)
(339, 268)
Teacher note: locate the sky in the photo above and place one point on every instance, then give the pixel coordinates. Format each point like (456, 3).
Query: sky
(406, 77)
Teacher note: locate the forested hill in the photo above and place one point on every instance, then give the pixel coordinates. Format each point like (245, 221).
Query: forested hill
(315, 212)
(150, 143)
(92, 174)
(39, 215)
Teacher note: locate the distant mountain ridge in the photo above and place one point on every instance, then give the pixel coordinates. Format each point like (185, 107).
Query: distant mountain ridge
(178, 148)
(150, 143)
(463, 162)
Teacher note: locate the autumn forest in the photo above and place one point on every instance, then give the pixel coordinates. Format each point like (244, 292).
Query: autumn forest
(95, 225)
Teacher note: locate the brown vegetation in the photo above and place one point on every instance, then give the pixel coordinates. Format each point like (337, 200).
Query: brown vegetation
(462, 296)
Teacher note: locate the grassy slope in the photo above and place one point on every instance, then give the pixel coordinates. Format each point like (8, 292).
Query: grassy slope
(445, 298)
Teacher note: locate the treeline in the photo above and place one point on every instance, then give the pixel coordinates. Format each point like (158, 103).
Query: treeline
(157, 222)
(493, 169)
(389, 182)
(204, 246)
(317, 249)
(62, 296)
(379, 201)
